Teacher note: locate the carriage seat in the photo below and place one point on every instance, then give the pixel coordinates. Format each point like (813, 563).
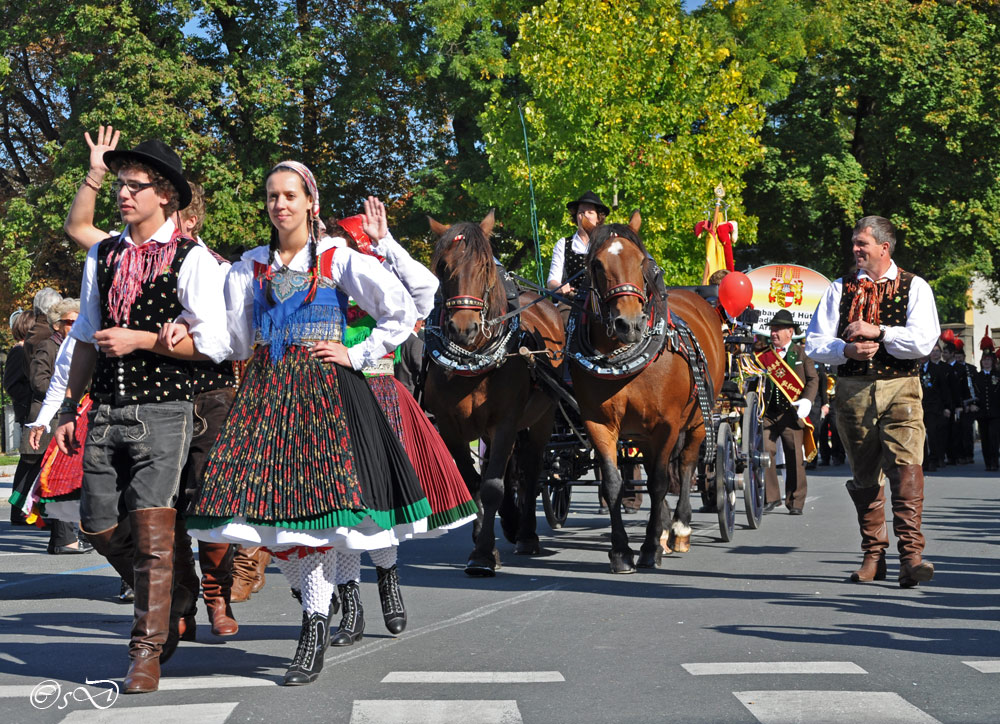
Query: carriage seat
(708, 292)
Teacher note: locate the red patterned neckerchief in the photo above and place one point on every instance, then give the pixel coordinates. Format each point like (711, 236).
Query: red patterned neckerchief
(868, 296)
(137, 265)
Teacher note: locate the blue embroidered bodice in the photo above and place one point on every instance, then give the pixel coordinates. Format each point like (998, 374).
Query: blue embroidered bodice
(291, 320)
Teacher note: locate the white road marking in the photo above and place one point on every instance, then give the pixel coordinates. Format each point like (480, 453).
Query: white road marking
(176, 714)
(774, 667)
(472, 615)
(472, 677)
(168, 683)
(430, 711)
(832, 707)
(184, 683)
(984, 667)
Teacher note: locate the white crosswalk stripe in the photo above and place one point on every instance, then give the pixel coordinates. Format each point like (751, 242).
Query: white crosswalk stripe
(984, 667)
(472, 677)
(176, 714)
(773, 667)
(832, 707)
(430, 711)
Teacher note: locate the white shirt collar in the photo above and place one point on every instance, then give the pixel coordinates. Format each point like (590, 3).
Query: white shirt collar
(161, 236)
(891, 273)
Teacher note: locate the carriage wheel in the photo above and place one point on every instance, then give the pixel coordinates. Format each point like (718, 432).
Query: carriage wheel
(753, 453)
(555, 502)
(725, 481)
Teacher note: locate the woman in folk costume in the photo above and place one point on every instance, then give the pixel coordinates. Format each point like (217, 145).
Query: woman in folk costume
(446, 491)
(307, 462)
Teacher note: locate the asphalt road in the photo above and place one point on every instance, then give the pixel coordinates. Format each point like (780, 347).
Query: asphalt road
(763, 629)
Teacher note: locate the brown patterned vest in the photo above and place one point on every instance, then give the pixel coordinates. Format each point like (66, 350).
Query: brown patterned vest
(892, 313)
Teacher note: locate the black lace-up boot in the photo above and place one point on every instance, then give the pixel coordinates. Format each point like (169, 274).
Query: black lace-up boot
(391, 598)
(308, 660)
(352, 623)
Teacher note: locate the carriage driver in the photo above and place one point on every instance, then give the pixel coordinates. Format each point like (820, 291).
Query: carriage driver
(567, 263)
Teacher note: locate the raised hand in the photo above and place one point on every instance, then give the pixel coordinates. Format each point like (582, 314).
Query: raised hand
(107, 140)
(375, 224)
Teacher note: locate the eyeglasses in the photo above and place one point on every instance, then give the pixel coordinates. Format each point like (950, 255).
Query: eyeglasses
(67, 322)
(133, 187)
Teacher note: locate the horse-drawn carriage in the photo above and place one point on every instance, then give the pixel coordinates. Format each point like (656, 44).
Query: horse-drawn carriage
(737, 472)
(646, 365)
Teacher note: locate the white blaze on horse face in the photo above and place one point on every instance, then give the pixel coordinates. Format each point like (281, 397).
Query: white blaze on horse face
(615, 248)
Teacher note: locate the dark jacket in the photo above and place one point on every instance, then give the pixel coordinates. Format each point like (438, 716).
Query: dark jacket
(15, 383)
(936, 381)
(774, 403)
(988, 395)
(43, 364)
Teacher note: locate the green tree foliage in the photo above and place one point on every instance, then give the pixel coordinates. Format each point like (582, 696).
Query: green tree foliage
(233, 85)
(634, 100)
(896, 116)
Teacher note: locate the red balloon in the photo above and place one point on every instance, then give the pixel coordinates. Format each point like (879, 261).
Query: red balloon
(735, 293)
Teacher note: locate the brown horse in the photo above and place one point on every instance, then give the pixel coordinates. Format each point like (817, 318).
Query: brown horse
(656, 407)
(481, 388)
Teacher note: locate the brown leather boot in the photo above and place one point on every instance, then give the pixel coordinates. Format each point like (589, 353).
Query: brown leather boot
(153, 531)
(116, 545)
(870, 504)
(248, 572)
(186, 587)
(907, 485)
(217, 583)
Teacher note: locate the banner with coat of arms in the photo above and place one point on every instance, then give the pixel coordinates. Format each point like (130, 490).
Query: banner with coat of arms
(786, 286)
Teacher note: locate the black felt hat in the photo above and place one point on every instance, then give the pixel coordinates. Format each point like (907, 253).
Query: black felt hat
(783, 318)
(159, 156)
(588, 198)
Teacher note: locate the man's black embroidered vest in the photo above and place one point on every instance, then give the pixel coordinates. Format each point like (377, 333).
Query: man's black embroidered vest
(210, 376)
(892, 313)
(141, 377)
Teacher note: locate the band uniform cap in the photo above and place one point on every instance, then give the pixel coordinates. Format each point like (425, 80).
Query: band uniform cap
(588, 198)
(783, 318)
(159, 156)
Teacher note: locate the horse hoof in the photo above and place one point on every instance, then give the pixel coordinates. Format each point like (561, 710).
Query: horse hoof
(621, 562)
(665, 545)
(527, 548)
(476, 568)
(650, 559)
(679, 543)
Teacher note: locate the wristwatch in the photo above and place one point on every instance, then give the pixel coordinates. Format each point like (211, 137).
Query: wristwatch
(881, 333)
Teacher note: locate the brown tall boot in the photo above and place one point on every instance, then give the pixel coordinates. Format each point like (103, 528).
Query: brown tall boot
(153, 530)
(184, 599)
(870, 504)
(907, 485)
(217, 584)
(186, 584)
(117, 546)
(248, 572)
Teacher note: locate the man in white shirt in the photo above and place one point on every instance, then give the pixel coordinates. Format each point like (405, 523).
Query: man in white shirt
(876, 324)
(141, 422)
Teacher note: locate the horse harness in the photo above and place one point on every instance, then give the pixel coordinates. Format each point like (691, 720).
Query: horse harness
(504, 332)
(665, 331)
